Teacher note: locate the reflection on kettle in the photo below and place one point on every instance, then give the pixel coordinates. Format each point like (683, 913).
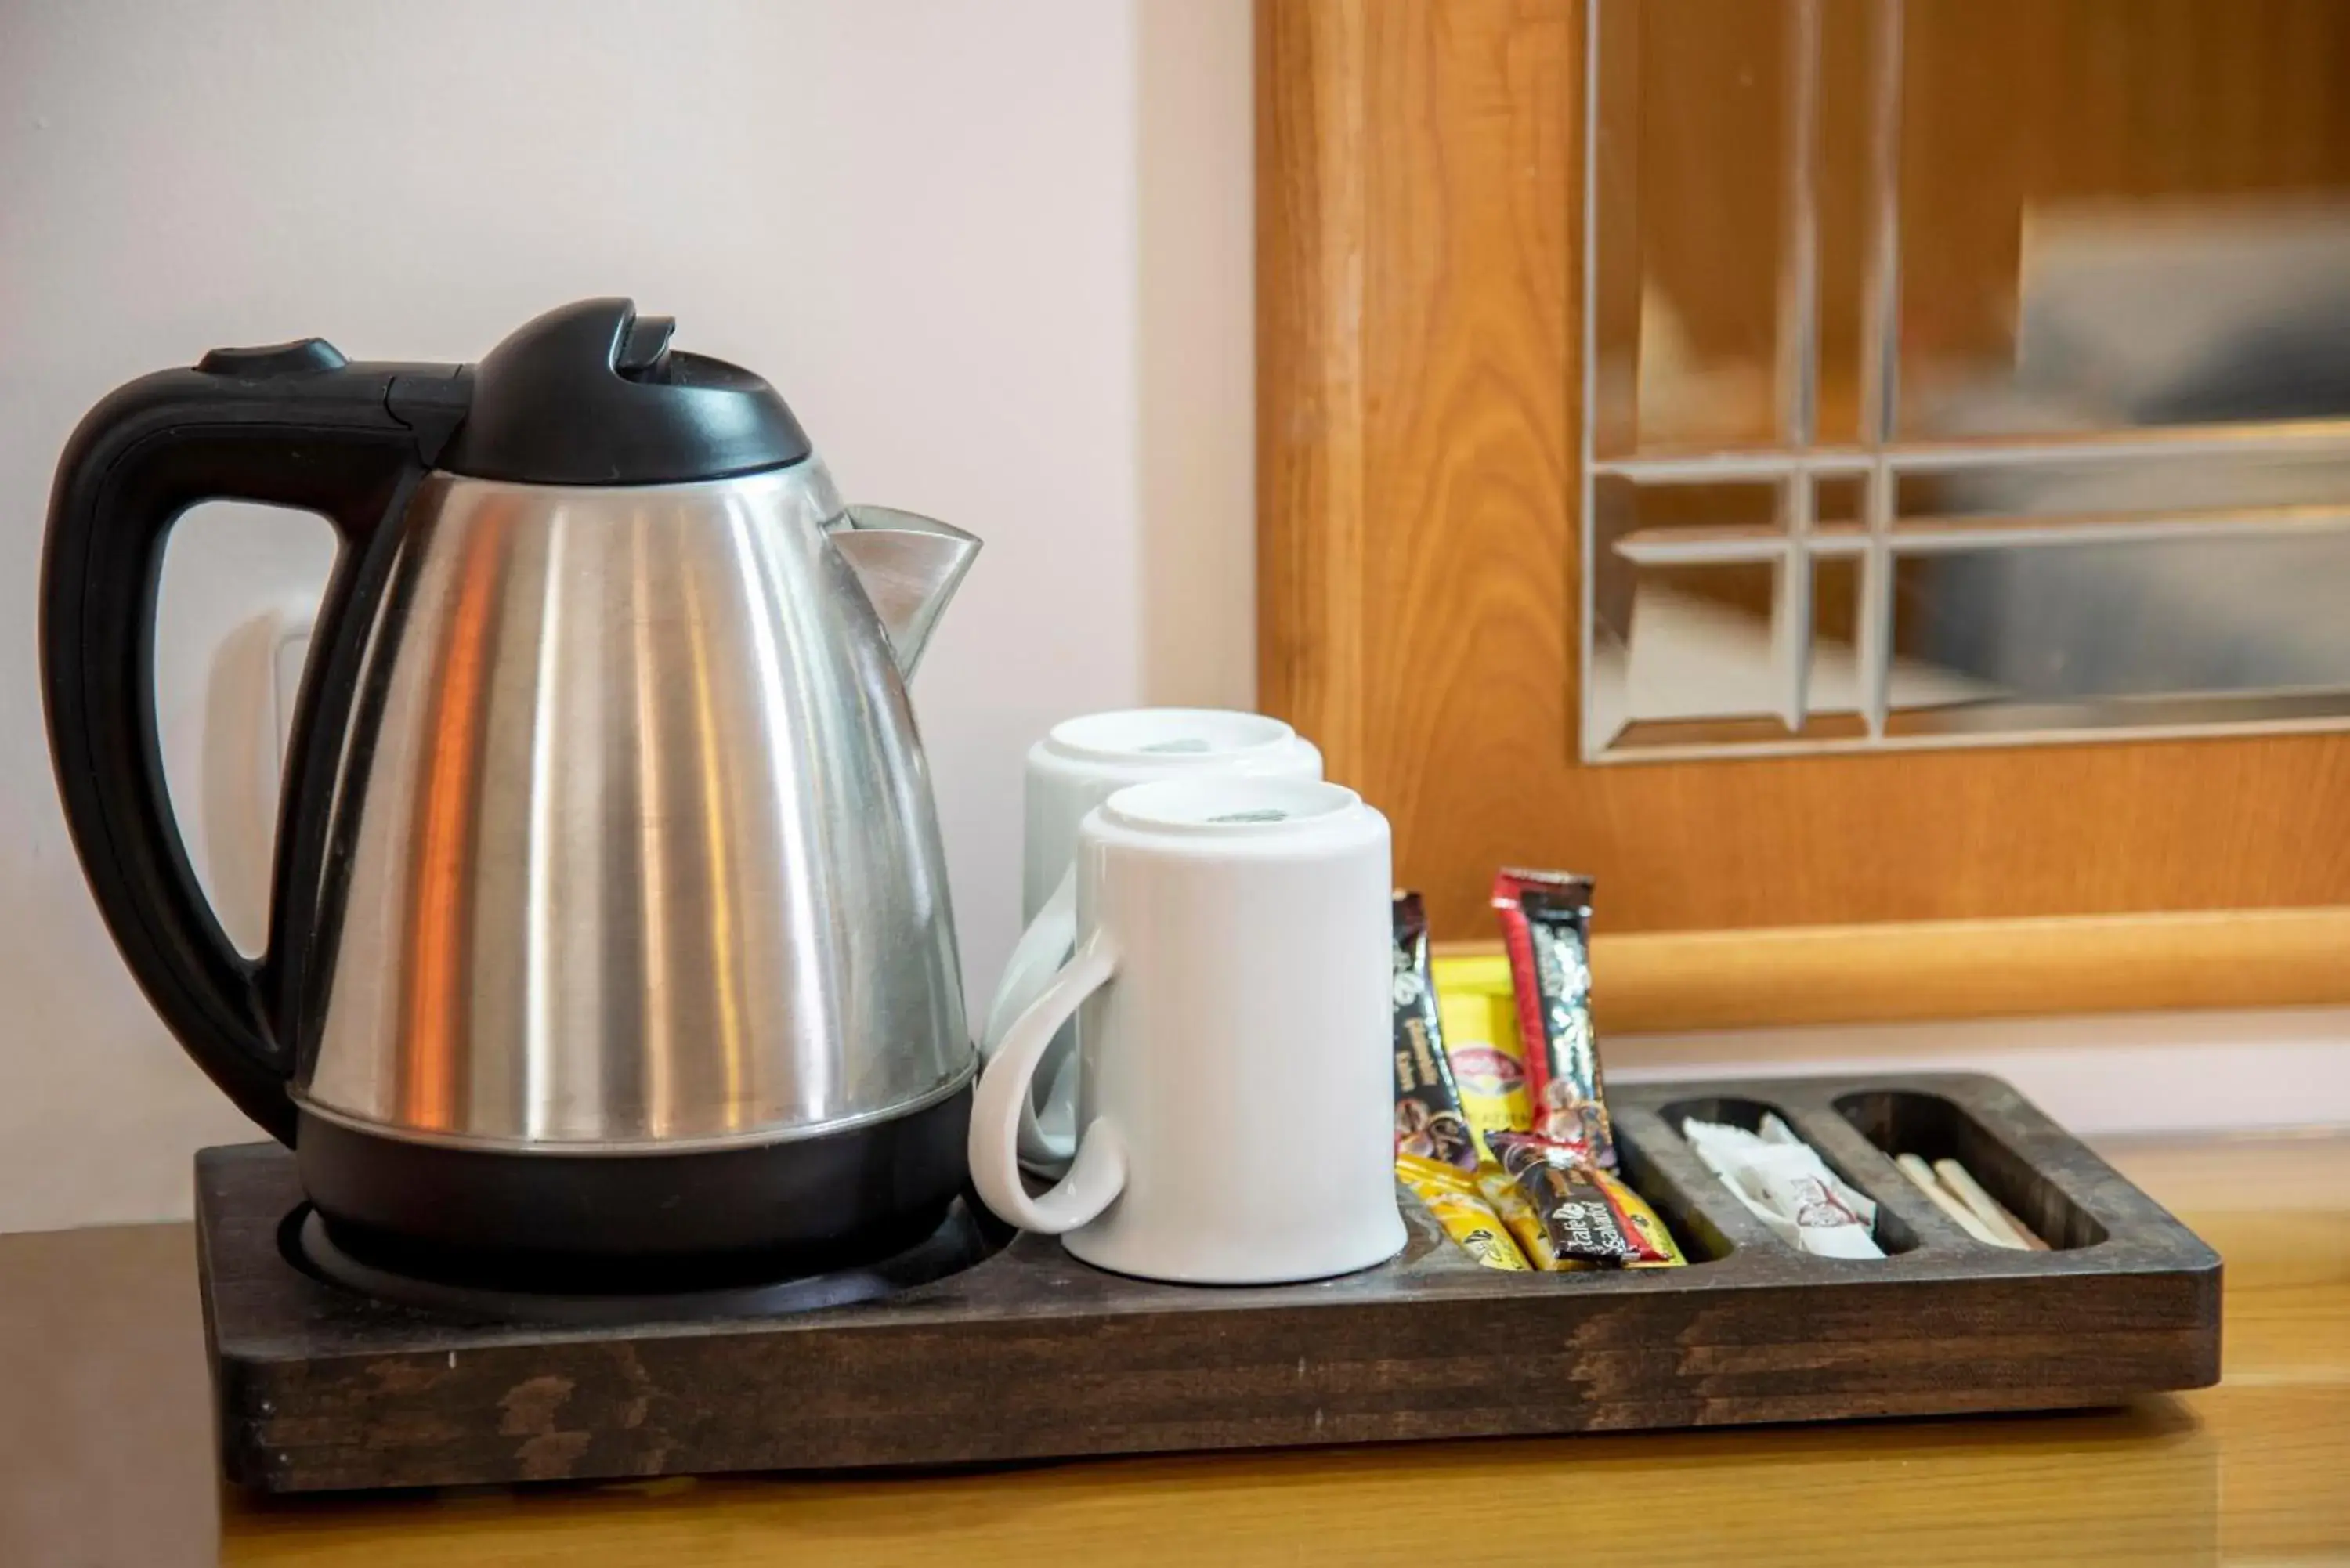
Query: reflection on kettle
(609, 918)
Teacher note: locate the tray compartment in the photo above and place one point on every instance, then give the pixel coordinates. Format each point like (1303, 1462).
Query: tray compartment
(1659, 1167)
(1893, 1231)
(1907, 1121)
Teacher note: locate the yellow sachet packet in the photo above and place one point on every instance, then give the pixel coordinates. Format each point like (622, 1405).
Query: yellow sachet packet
(1636, 1213)
(1501, 1191)
(1487, 1069)
(1466, 1217)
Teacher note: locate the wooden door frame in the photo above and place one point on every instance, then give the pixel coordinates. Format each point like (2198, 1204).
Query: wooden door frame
(1417, 300)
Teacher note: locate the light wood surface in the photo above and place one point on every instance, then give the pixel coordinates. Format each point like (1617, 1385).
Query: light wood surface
(2250, 1471)
(1418, 172)
(1661, 983)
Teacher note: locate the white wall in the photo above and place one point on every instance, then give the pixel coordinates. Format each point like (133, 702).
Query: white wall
(996, 256)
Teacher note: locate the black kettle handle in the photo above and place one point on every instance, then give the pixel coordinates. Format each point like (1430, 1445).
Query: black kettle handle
(293, 425)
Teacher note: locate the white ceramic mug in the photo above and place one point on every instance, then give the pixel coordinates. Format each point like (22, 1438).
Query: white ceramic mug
(1233, 1087)
(1075, 767)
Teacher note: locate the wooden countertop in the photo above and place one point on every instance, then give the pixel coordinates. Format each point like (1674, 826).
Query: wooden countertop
(104, 1454)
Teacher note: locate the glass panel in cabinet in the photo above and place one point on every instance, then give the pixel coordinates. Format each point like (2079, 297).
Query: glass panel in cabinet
(1835, 682)
(2122, 213)
(2246, 476)
(2241, 628)
(1690, 654)
(1690, 179)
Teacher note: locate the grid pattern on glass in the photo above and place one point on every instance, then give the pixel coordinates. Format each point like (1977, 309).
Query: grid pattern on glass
(1779, 555)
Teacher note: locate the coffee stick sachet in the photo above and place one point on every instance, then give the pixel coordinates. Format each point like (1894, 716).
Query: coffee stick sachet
(1517, 1213)
(1427, 1119)
(1643, 1218)
(1586, 1214)
(1463, 1211)
(1545, 924)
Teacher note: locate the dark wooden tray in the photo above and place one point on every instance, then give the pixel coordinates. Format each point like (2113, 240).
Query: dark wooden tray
(1030, 1354)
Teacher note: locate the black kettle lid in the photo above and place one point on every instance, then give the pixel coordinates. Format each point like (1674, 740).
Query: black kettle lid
(592, 393)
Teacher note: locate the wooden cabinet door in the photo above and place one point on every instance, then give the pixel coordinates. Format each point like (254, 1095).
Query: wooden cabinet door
(1422, 332)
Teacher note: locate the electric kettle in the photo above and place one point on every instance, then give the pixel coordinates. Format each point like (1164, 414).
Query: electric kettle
(610, 920)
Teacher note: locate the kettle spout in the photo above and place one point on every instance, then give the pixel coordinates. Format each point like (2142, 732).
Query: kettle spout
(909, 567)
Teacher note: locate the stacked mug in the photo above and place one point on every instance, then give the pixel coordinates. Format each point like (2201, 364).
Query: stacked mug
(1213, 919)
(1075, 768)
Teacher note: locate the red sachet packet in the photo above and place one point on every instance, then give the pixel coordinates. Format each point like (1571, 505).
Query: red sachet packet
(1546, 923)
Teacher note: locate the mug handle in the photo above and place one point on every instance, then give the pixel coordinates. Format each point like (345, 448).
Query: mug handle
(1037, 958)
(1097, 1174)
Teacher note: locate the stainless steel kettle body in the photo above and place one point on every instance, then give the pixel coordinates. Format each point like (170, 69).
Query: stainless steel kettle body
(612, 922)
(638, 850)
(641, 855)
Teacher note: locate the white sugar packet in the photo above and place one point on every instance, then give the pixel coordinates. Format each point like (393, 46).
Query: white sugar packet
(1785, 1184)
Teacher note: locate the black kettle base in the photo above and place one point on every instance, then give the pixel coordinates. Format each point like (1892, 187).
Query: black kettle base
(540, 1216)
(964, 1236)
